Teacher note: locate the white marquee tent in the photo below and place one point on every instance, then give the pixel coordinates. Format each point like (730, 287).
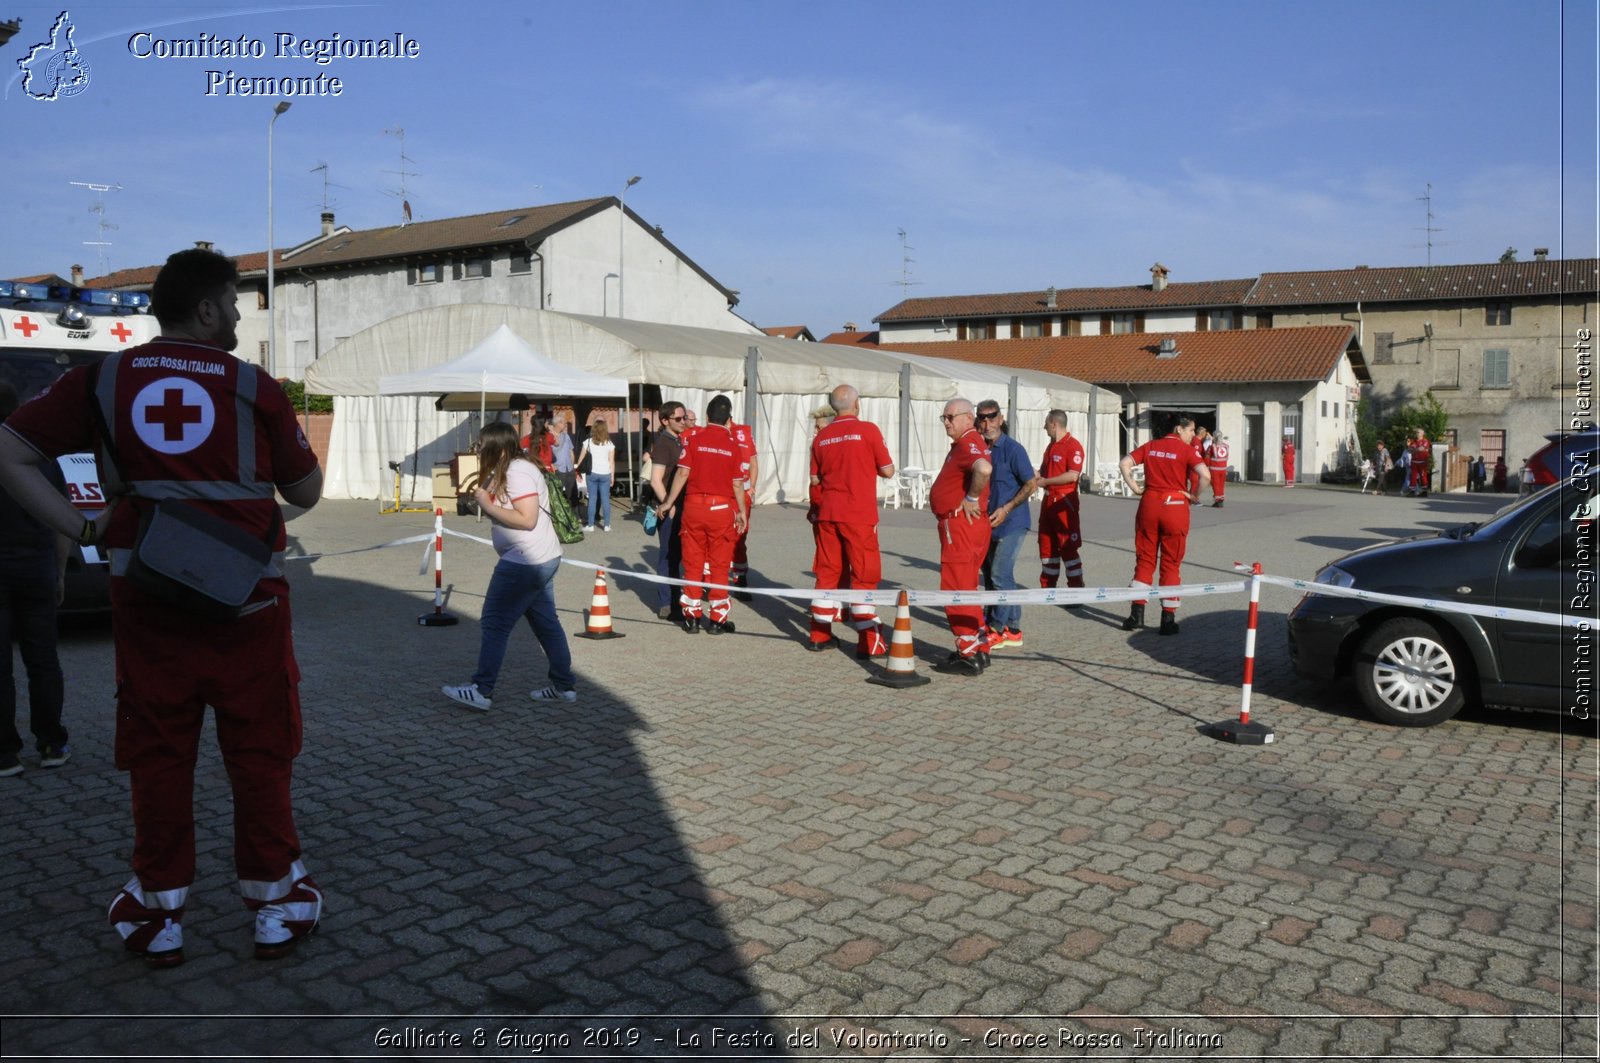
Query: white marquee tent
(774, 383)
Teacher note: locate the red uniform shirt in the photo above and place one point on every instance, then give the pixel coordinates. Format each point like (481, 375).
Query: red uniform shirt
(178, 420)
(1166, 462)
(950, 486)
(745, 439)
(846, 457)
(1064, 455)
(1218, 457)
(712, 458)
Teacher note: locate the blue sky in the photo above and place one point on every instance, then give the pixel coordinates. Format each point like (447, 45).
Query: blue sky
(783, 145)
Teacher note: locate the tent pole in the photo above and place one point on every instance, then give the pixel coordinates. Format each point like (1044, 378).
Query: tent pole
(905, 414)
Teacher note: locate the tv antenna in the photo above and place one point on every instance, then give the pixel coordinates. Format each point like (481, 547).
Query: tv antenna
(99, 210)
(405, 201)
(906, 261)
(327, 203)
(1427, 201)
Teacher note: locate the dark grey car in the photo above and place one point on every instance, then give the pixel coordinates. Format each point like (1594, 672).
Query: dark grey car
(1416, 666)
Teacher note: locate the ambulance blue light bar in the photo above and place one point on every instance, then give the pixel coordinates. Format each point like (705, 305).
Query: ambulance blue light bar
(102, 300)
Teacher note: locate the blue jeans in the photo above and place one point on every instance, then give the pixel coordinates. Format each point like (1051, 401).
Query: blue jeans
(528, 591)
(669, 557)
(599, 491)
(999, 574)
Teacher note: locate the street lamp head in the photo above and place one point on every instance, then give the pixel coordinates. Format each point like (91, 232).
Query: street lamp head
(633, 181)
(283, 105)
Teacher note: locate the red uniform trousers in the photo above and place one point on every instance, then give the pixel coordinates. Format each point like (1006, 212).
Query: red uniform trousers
(1219, 482)
(169, 666)
(1288, 468)
(1161, 528)
(1060, 537)
(708, 535)
(739, 571)
(847, 556)
(963, 544)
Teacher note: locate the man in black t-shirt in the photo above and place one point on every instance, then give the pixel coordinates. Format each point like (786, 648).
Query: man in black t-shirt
(665, 449)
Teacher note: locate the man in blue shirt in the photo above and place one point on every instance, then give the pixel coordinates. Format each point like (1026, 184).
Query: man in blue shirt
(1009, 489)
(566, 469)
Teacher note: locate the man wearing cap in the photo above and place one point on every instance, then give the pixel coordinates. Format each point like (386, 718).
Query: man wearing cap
(848, 457)
(1161, 528)
(1060, 522)
(1009, 489)
(712, 488)
(959, 499)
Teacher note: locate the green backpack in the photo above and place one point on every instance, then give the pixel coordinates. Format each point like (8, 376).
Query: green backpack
(569, 529)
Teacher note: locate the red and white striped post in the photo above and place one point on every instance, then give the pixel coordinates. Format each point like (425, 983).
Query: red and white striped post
(1242, 731)
(437, 618)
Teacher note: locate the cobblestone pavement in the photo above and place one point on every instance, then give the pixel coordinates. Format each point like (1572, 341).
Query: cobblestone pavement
(1048, 861)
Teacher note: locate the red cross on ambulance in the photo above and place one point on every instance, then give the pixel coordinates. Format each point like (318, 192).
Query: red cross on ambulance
(173, 415)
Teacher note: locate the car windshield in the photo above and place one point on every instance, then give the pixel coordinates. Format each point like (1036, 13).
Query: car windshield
(1503, 517)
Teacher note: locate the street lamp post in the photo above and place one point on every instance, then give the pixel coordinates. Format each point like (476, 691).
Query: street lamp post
(272, 315)
(622, 224)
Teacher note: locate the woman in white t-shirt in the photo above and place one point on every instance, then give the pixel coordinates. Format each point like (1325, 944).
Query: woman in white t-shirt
(601, 453)
(512, 494)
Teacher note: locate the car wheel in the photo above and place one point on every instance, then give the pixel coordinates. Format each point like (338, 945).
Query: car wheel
(1410, 674)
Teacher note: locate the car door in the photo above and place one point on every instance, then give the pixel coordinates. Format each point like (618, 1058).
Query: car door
(1544, 569)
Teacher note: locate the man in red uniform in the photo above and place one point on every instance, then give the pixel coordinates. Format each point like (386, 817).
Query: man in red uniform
(848, 456)
(188, 421)
(1202, 445)
(1288, 461)
(959, 499)
(1162, 525)
(1217, 462)
(739, 573)
(1060, 522)
(712, 486)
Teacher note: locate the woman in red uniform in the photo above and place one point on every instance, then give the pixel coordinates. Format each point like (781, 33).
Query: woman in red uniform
(1161, 529)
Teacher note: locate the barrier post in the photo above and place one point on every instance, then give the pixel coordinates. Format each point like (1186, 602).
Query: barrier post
(1244, 731)
(437, 618)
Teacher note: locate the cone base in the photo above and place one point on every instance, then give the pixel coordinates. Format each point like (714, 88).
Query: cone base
(437, 620)
(598, 635)
(1253, 733)
(899, 679)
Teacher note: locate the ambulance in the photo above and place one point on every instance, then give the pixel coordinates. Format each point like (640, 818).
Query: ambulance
(45, 330)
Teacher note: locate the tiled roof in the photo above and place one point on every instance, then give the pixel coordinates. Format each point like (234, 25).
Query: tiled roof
(496, 229)
(447, 234)
(42, 278)
(1235, 356)
(1390, 284)
(1071, 301)
(854, 338)
(790, 332)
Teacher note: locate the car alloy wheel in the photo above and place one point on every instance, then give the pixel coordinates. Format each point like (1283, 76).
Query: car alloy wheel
(1408, 673)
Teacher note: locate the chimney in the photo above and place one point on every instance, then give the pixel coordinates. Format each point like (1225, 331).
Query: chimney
(1540, 254)
(849, 326)
(1158, 277)
(204, 245)
(1050, 297)
(327, 223)
(77, 276)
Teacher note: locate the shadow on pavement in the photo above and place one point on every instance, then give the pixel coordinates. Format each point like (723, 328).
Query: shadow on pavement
(514, 870)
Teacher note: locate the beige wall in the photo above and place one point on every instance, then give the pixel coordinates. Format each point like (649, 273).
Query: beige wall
(1449, 362)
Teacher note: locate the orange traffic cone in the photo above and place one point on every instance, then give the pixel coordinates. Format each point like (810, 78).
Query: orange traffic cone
(599, 625)
(902, 666)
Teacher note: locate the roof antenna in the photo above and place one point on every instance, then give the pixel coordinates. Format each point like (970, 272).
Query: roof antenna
(906, 260)
(99, 209)
(405, 203)
(1427, 200)
(327, 203)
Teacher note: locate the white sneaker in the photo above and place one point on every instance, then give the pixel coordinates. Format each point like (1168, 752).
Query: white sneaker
(552, 694)
(467, 694)
(588, 527)
(608, 527)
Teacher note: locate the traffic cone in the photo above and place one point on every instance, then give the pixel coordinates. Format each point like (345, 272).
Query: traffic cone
(901, 670)
(599, 625)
